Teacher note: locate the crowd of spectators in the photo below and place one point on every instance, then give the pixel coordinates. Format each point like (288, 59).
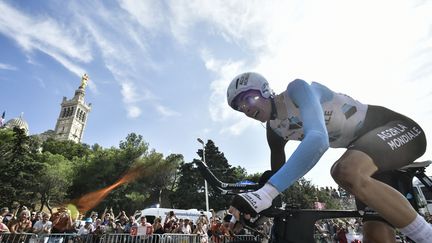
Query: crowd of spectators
(213, 229)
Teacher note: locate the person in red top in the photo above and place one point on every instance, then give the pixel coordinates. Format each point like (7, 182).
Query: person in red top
(341, 234)
(218, 231)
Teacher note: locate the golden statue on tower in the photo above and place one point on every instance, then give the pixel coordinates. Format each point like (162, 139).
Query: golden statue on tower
(84, 80)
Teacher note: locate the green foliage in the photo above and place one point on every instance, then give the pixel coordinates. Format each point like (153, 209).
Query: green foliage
(53, 172)
(190, 191)
(67, 148)
(19, 170)
(56, 179)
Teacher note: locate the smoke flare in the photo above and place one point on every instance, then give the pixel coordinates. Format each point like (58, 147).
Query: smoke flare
(92, 199)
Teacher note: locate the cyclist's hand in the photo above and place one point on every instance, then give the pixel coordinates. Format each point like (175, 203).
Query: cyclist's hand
(255, 202)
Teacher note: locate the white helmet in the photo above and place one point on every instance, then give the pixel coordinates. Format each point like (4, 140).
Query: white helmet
(245, 82)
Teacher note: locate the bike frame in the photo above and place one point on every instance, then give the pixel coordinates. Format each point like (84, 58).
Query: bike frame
(297, 225)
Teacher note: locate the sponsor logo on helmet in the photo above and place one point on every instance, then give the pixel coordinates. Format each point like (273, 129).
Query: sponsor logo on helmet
(242, 80)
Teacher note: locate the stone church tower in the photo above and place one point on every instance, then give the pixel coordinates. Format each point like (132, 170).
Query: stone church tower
(73, 115)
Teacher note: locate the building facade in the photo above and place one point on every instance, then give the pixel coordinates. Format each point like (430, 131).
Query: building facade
(73, 115)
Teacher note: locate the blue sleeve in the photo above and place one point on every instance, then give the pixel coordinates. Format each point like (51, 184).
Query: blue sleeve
(315, 141)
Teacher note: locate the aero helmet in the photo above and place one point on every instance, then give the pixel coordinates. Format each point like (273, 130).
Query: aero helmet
(248, 81)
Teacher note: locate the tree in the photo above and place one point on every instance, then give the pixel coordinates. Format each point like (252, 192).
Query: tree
(66, 148)
(55, 181)
(190, 189)
(19, 169)
(303, 194)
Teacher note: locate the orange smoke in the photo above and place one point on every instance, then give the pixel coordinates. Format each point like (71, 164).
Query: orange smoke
(92, 199)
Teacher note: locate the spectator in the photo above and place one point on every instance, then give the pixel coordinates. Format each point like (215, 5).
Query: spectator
(94, 215)
(22, 224)
(87, 228)
(128, 226)
(185, 227)
(62, 221)
(122, 214)
(79, 222)
(341, 233)
(3, 227)
(7, 215)
(157, 226)
(43, 226)
(119, 228)
(3, 212)
(171, 217)
(202, 232)
(99, 229)
(218, 231)
(110, 226)
(143, 227)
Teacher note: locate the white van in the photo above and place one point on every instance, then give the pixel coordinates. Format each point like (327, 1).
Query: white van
(191, 214)
(424, 197)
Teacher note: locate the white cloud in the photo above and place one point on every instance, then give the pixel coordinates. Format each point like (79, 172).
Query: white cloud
(147, 13)
(42, 33)
(133, 111)
(165, 111)
(7, 67)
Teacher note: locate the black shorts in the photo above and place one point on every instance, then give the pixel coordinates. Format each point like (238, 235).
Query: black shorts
(392, 141)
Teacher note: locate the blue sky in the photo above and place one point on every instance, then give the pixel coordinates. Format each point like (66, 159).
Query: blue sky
(161, 68)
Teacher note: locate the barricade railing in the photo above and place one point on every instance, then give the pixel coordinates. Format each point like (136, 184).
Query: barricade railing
(47, 238)
(240, 238)
(15, 238)
(114, 238)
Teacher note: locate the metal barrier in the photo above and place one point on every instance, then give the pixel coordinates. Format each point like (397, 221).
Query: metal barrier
(155, 238)
(15, 238)
(241, 238)
(115, 238)
(49, 238)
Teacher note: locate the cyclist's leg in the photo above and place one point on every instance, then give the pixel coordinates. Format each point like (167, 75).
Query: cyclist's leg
(378, 231)
(375, 228)
(354, 170)
(376, 150)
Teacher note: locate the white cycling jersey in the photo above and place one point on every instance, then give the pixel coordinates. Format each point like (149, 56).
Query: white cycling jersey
(343, 116)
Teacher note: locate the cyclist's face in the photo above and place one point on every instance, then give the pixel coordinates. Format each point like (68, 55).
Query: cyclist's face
(253, 105)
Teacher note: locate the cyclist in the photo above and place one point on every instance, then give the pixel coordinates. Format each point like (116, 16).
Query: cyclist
(377, 140)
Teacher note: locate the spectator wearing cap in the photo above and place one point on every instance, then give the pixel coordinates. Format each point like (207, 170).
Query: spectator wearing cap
(87, 228)
(22, 224)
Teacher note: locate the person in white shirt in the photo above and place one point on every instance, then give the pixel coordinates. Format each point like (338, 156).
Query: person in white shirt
(87, 228)
(185, 228)
(144, 227)
(43, 226)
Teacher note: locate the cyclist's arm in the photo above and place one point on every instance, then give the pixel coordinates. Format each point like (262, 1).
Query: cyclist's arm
(277, 149)
(314, 143)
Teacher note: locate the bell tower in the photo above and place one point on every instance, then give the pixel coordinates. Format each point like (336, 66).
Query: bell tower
(73, 115)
